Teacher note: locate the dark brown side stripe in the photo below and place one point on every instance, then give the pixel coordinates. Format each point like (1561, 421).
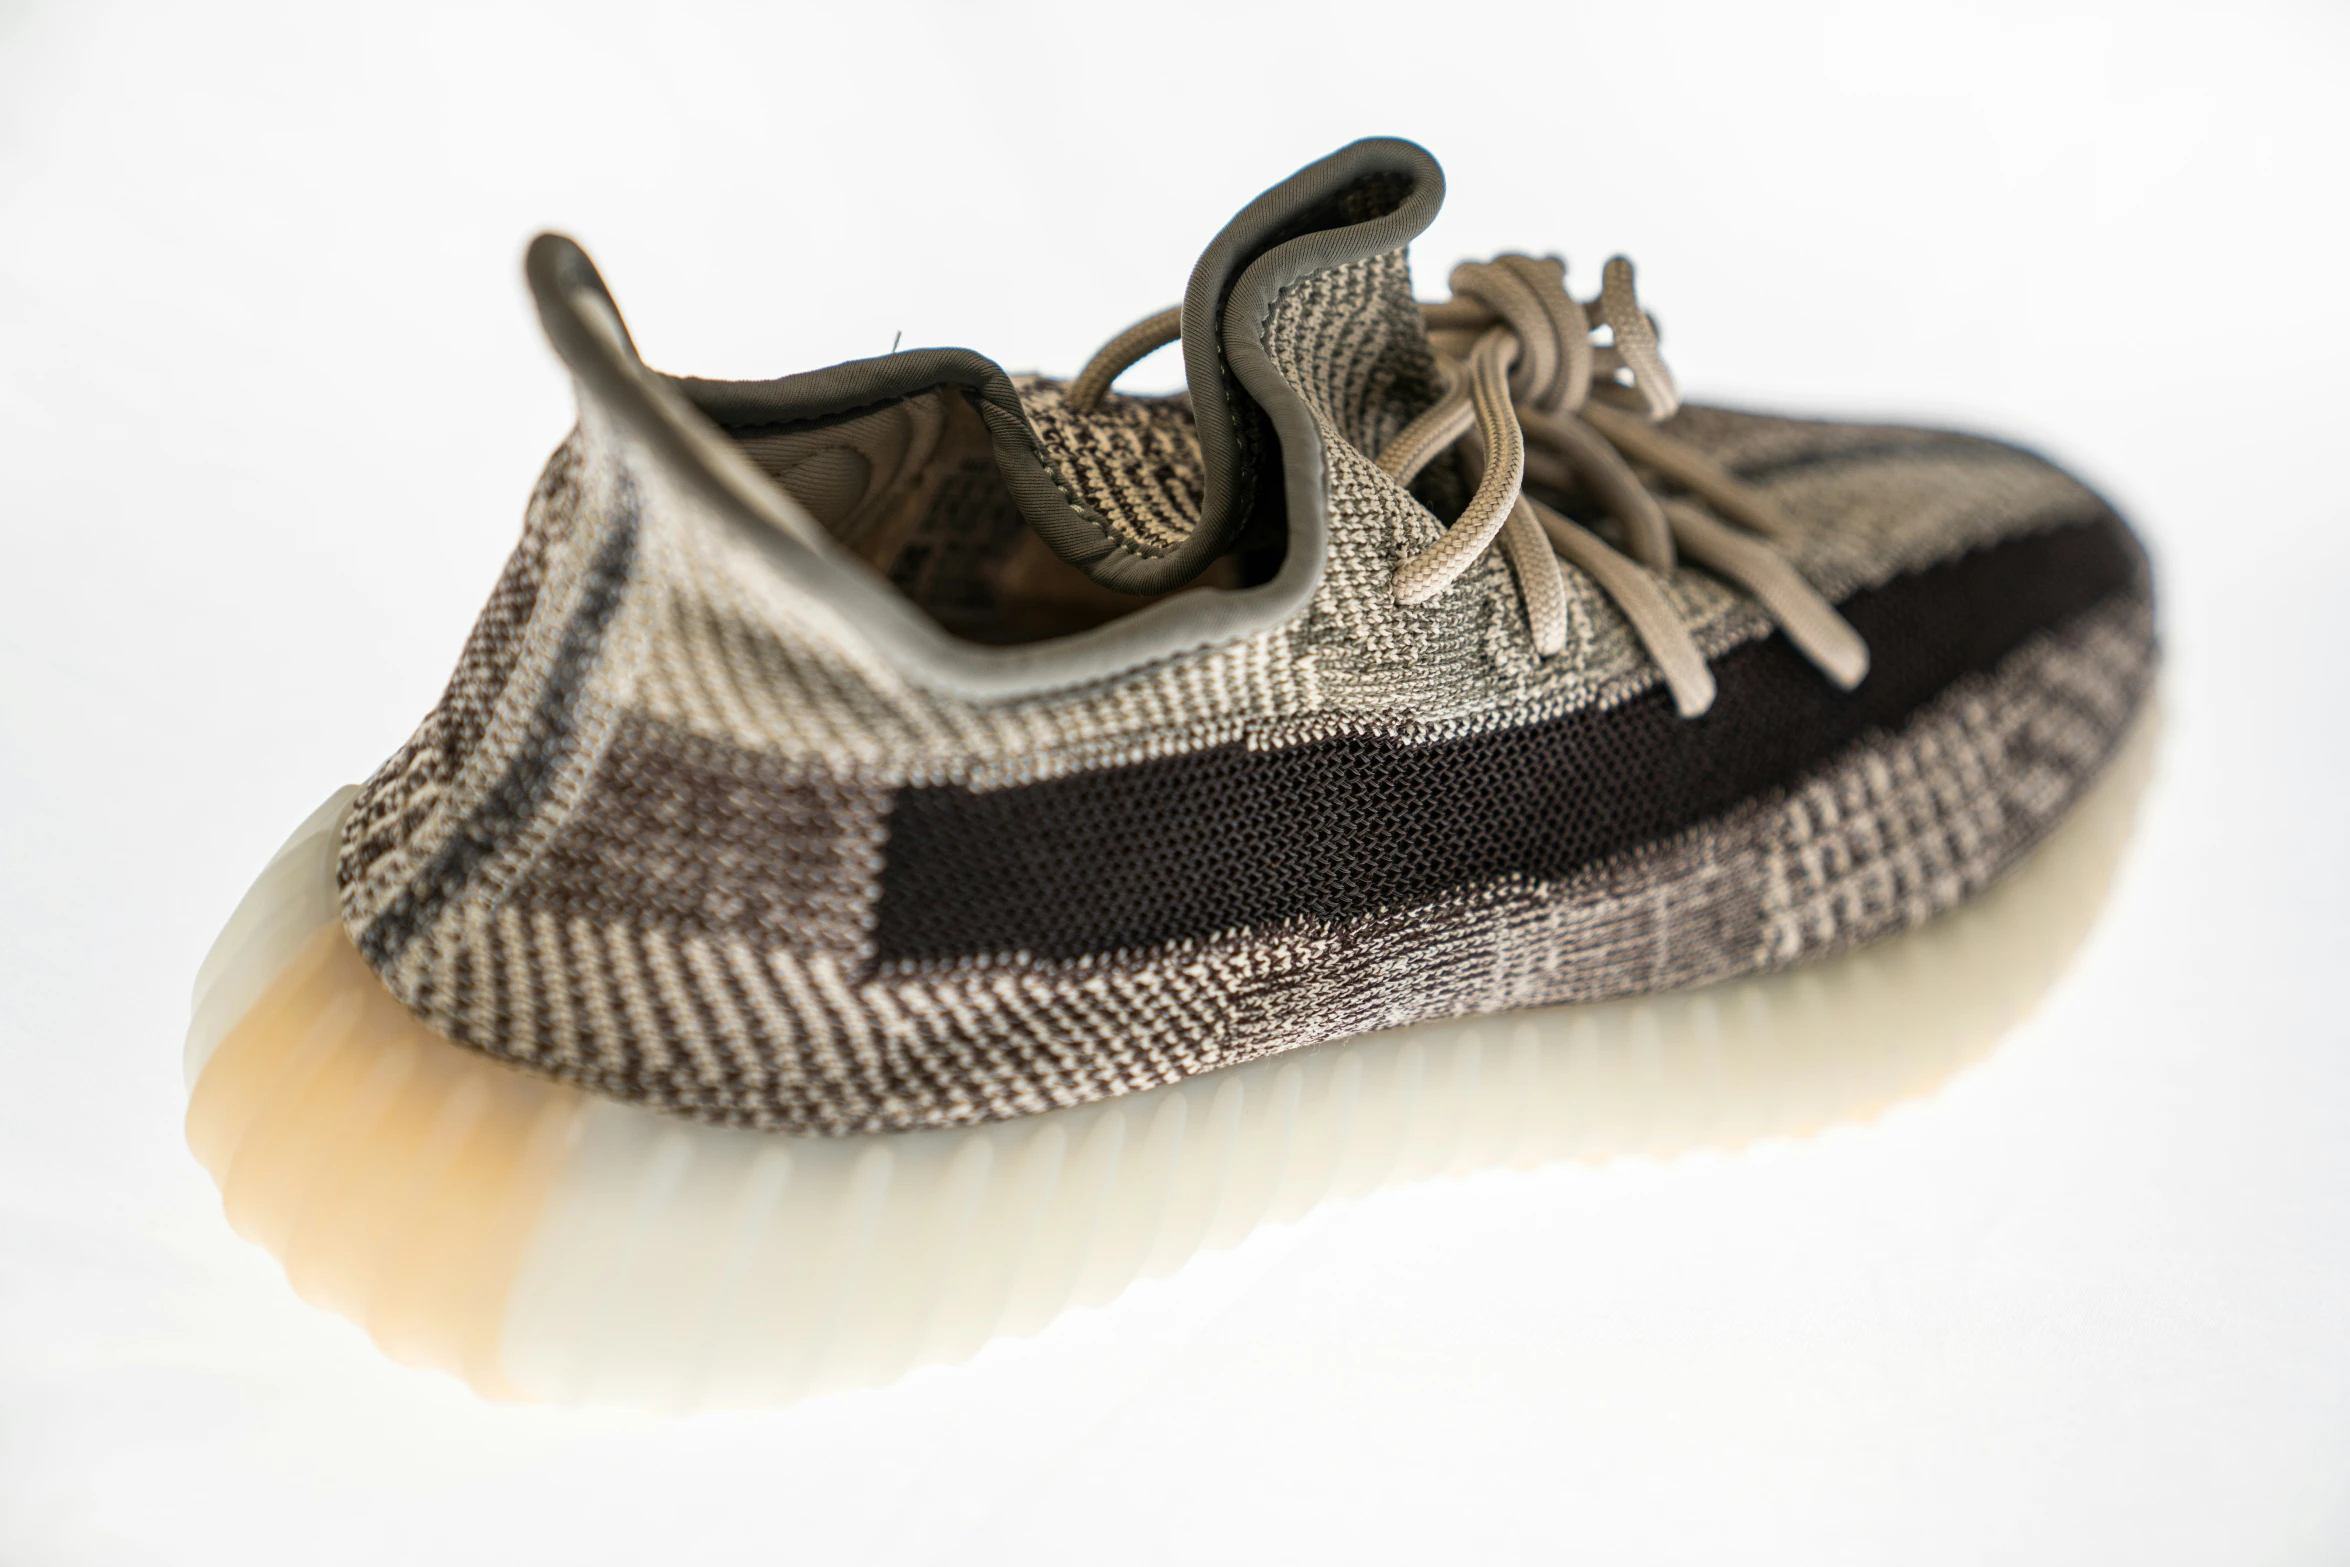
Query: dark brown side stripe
(1136, 856)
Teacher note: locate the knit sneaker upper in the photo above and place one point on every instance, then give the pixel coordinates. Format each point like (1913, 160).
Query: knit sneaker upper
(908, 742)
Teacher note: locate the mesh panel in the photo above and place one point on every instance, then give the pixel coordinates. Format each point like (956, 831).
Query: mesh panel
(1234, 836)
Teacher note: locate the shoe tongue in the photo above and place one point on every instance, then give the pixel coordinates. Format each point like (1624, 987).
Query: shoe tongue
(1304, 295)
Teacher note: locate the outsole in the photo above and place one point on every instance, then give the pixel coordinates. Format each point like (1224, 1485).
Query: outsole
(549, 1245)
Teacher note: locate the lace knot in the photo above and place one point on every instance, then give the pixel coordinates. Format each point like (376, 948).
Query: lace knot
(1519, 366)
(1530, 396)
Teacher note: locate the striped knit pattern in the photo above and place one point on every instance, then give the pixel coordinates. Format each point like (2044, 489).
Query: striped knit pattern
(639, 844)
(1132, 464)
(800, 1036)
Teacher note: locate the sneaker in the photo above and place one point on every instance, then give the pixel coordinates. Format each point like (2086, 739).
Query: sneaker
(908, 819)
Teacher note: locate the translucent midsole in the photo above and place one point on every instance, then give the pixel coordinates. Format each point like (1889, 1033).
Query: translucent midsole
(547, 1244)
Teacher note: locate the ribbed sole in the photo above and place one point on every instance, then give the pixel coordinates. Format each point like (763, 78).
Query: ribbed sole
(550, 1245)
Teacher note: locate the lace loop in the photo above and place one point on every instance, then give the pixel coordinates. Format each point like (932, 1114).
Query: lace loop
(1112, 359)
(1635, 340)
(1574, 442)
(1439, 566)
(1511, 298)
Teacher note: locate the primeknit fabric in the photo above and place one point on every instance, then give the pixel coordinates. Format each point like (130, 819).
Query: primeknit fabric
(676, 833)
(1235, 835)
(1132, 462)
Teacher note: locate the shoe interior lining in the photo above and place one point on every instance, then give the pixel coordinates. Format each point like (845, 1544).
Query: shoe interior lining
(912, 488)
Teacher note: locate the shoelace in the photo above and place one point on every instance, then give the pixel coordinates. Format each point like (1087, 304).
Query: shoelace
(1518, 360)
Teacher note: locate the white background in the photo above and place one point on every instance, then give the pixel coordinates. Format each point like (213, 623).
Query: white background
(271, 397)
